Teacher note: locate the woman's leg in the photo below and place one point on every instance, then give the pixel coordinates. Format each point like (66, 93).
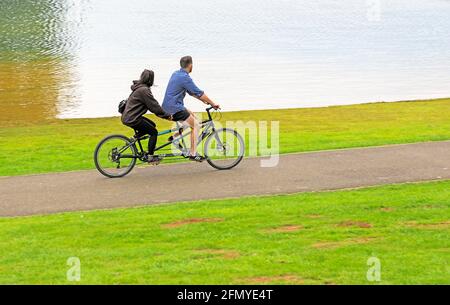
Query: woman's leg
(152, 141)
(149, 121)
(147, 126)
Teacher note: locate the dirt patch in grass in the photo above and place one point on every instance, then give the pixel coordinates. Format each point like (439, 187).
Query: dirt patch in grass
(285, 229)
(436, 225)
(288, 279)
(352, 223)
(432, 206)
(387, 209)
(343, 243)
(183, 222)
(314, 216)
(227, 254)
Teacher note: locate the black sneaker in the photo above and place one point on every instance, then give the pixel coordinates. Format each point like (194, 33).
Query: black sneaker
(197, 158)
(154, 160)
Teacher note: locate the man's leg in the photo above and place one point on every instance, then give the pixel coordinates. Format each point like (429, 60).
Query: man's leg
(193, 123)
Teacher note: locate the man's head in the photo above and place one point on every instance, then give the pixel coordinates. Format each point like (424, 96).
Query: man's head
(186, 63)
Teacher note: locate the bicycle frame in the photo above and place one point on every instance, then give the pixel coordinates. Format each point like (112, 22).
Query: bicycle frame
(110, 151)
(207, 127)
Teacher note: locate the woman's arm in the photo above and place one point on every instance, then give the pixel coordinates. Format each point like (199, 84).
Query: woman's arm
(153, 105)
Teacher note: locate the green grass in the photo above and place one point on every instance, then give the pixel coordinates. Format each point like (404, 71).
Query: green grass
(62, 145)
(405, 226)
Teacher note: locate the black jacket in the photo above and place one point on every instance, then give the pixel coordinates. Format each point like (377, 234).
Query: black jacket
(140, 101)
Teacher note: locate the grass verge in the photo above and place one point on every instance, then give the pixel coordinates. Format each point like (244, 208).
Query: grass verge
(308, 238)
(63, 145)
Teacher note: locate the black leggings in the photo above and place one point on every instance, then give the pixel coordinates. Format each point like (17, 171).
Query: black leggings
(147, 126)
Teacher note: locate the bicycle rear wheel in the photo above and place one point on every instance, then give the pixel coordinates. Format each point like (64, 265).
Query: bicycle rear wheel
(224, 149)
(115, 156)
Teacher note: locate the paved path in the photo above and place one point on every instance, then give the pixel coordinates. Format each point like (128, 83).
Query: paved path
(328, 170)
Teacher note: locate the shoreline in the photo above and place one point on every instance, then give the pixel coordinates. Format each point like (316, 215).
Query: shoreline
(289, 108)
(8, 123)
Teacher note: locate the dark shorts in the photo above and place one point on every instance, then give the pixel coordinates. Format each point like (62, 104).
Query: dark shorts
(182, 115)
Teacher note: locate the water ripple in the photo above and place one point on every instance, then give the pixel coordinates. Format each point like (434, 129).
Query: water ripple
(70, 58)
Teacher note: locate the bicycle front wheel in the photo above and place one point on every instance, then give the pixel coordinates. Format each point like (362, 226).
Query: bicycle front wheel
(115, 156)
(224, 149)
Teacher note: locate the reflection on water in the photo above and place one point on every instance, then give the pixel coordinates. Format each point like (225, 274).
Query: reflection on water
(70, 58)
(29, 90)
(38, 40)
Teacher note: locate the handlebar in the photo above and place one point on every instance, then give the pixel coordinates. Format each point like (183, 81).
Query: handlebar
(208, 111)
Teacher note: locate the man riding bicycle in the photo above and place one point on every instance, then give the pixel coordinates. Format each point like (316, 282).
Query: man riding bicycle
(116, 155)
(173, 103)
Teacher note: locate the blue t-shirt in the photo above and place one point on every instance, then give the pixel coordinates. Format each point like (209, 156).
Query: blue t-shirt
(179, 84)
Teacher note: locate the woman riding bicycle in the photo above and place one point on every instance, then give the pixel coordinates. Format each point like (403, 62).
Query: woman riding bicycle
(140, 101)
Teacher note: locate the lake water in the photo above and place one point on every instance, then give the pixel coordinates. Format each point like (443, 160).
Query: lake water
(77, 58)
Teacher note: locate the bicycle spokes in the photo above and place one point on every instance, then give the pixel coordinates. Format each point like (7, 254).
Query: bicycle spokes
(224, 148)
(115, 156)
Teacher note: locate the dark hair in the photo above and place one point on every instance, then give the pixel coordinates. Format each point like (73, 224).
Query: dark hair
(185, 61)
(147, 77)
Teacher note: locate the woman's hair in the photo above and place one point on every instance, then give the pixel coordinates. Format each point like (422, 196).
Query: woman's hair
(147, 77)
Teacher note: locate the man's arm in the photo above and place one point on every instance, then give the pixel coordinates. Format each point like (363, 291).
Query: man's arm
(205, 99)
(199, 94)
